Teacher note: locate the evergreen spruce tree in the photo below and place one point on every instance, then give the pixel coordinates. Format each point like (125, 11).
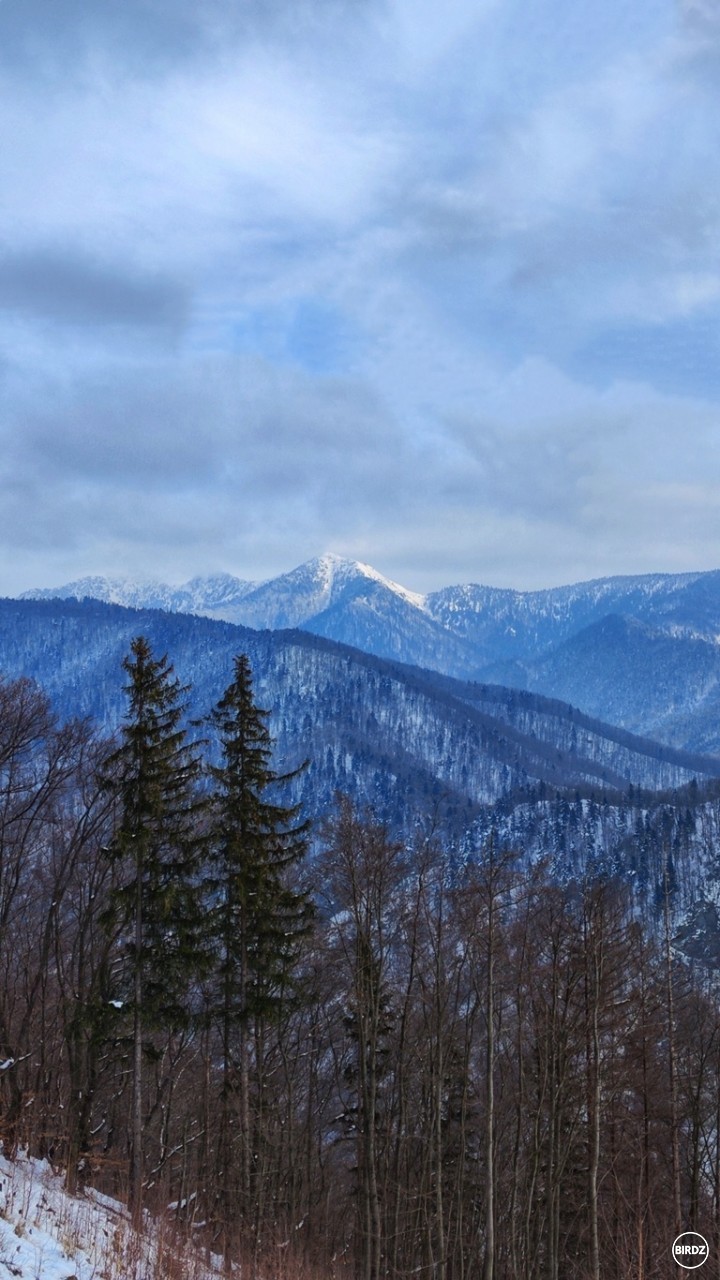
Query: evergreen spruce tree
(257, 916)
(154, 775)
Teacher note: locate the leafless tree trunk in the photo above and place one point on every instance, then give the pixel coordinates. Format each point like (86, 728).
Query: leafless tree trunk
(672, 1053)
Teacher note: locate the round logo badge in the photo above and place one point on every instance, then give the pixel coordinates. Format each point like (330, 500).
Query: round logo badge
(690, 1250)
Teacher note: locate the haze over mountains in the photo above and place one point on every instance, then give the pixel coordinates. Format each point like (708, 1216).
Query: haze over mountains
(640, 652)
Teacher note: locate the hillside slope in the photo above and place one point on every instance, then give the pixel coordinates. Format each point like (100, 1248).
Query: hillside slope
(46, 1234)
(649, 681)
(407, 741)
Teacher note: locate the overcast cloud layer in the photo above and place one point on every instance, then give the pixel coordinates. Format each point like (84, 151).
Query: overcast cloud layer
(439, 290)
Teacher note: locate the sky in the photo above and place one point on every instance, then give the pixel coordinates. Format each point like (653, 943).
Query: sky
(432, 287)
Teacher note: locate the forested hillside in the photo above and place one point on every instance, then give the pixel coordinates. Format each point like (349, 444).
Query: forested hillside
(467, 1024)
(408, 742)
(444, 1067)
(664, 685)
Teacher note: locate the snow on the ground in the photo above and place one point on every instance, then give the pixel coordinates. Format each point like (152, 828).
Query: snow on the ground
(45, 1234)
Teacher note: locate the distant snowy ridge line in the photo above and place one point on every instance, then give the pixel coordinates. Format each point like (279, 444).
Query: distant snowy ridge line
(323, 593)
(458, 630)
(330, 571)
(216, 595)
(641, 652)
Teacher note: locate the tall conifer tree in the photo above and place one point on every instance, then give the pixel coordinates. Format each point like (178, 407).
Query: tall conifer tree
(154, 774)
(258, 915)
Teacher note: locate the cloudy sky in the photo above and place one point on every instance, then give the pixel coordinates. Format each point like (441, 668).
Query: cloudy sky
(435, 287)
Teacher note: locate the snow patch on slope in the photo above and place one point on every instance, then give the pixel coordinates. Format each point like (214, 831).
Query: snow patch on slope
(46, 1233)
(336, 569)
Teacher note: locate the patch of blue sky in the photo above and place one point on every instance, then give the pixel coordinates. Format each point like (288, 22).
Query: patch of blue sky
(308, 332)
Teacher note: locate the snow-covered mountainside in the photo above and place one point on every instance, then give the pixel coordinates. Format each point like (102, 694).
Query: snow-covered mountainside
(299, 597)
(648, 680)
(211, 596)
(290, 600)
(499, 624)
(631, 839)
(506, 624)
(418, 748)
(556, 642)
(330, 596)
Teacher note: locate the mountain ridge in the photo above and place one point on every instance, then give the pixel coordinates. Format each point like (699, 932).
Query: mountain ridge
(401, 738)
(306, 592)
(555, 642)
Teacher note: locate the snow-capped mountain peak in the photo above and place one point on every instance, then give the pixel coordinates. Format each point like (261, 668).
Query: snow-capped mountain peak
(287, 600)
(338, 571)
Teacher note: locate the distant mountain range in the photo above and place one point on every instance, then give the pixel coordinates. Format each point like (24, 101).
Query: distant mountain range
(413, 744)
(640, 652)
(428, 752)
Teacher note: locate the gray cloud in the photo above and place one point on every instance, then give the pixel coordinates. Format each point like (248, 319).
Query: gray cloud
(361, 275)
(74, 288)
(213, 427)
(50, 40)
(231, 462)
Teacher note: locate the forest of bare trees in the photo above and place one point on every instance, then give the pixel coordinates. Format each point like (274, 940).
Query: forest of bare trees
(369, 1063)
